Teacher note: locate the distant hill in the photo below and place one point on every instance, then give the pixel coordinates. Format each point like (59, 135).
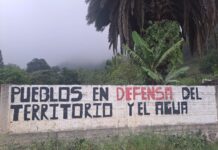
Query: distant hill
(84, 65)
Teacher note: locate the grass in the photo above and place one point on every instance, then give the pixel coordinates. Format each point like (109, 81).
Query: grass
(132, 142)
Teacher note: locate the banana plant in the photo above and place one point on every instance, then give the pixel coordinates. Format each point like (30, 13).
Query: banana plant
(150, 60)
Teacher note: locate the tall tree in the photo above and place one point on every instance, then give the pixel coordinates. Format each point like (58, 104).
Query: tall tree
(37, 65)
(196, 17)
(1, 60)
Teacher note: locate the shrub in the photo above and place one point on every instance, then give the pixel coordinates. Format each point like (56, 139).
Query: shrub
(215, 70)
(209, 62)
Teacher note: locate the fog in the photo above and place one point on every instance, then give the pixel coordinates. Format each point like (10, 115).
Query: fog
(55, 30)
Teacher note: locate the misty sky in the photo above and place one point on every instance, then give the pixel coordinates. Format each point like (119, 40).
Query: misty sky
(52, 29)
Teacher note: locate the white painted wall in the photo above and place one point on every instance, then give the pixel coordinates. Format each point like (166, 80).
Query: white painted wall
(202, 111)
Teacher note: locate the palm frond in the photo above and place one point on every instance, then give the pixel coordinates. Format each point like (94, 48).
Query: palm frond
(196, 17)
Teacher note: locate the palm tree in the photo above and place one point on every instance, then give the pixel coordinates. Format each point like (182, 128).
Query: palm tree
(197, 18)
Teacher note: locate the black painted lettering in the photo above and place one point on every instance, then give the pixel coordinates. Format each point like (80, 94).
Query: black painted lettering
(167, 108)
(140, 109)
(95, 93)
(52, 99)
(185, 93)
(104, 94)
(14, 91)
(176, 111)
(184, 107)
(16, 109)
(130, 108)
(65, 110)
(44, 94)
(64, 94)
(80, 110)
(27, 112)
(192, 93)
(97, 115)
(43, 111)
(100, 94)
(76, 90)
(159, 108)
(145, 109)
(35, 92)
(107, 107)
(35, 109)
(87, 108)
(25, 95)
(197, 94)
(54, 107)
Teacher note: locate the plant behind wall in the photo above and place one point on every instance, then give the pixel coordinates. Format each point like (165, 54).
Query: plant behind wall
(158, 52)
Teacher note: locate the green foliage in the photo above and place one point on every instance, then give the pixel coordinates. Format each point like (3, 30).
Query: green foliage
(163, 36)
(121, 71)
(77, 144)
(37, 65)
(215, 70)
(13, 75)
(69, 77)
(132, 142)
(1, 60)
(118, 71)
(173, 74)
(54, 76)
(209, 63)
(188, 142)
(39, 73)
(159, 53)
(195, 79)
(94, 77)
(44, 77)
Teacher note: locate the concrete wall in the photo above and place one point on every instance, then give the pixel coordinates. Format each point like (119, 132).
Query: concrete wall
(29, 109)
(4, 109)
(26, 109)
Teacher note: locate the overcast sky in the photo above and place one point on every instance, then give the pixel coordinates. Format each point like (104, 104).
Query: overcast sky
(52, 29)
